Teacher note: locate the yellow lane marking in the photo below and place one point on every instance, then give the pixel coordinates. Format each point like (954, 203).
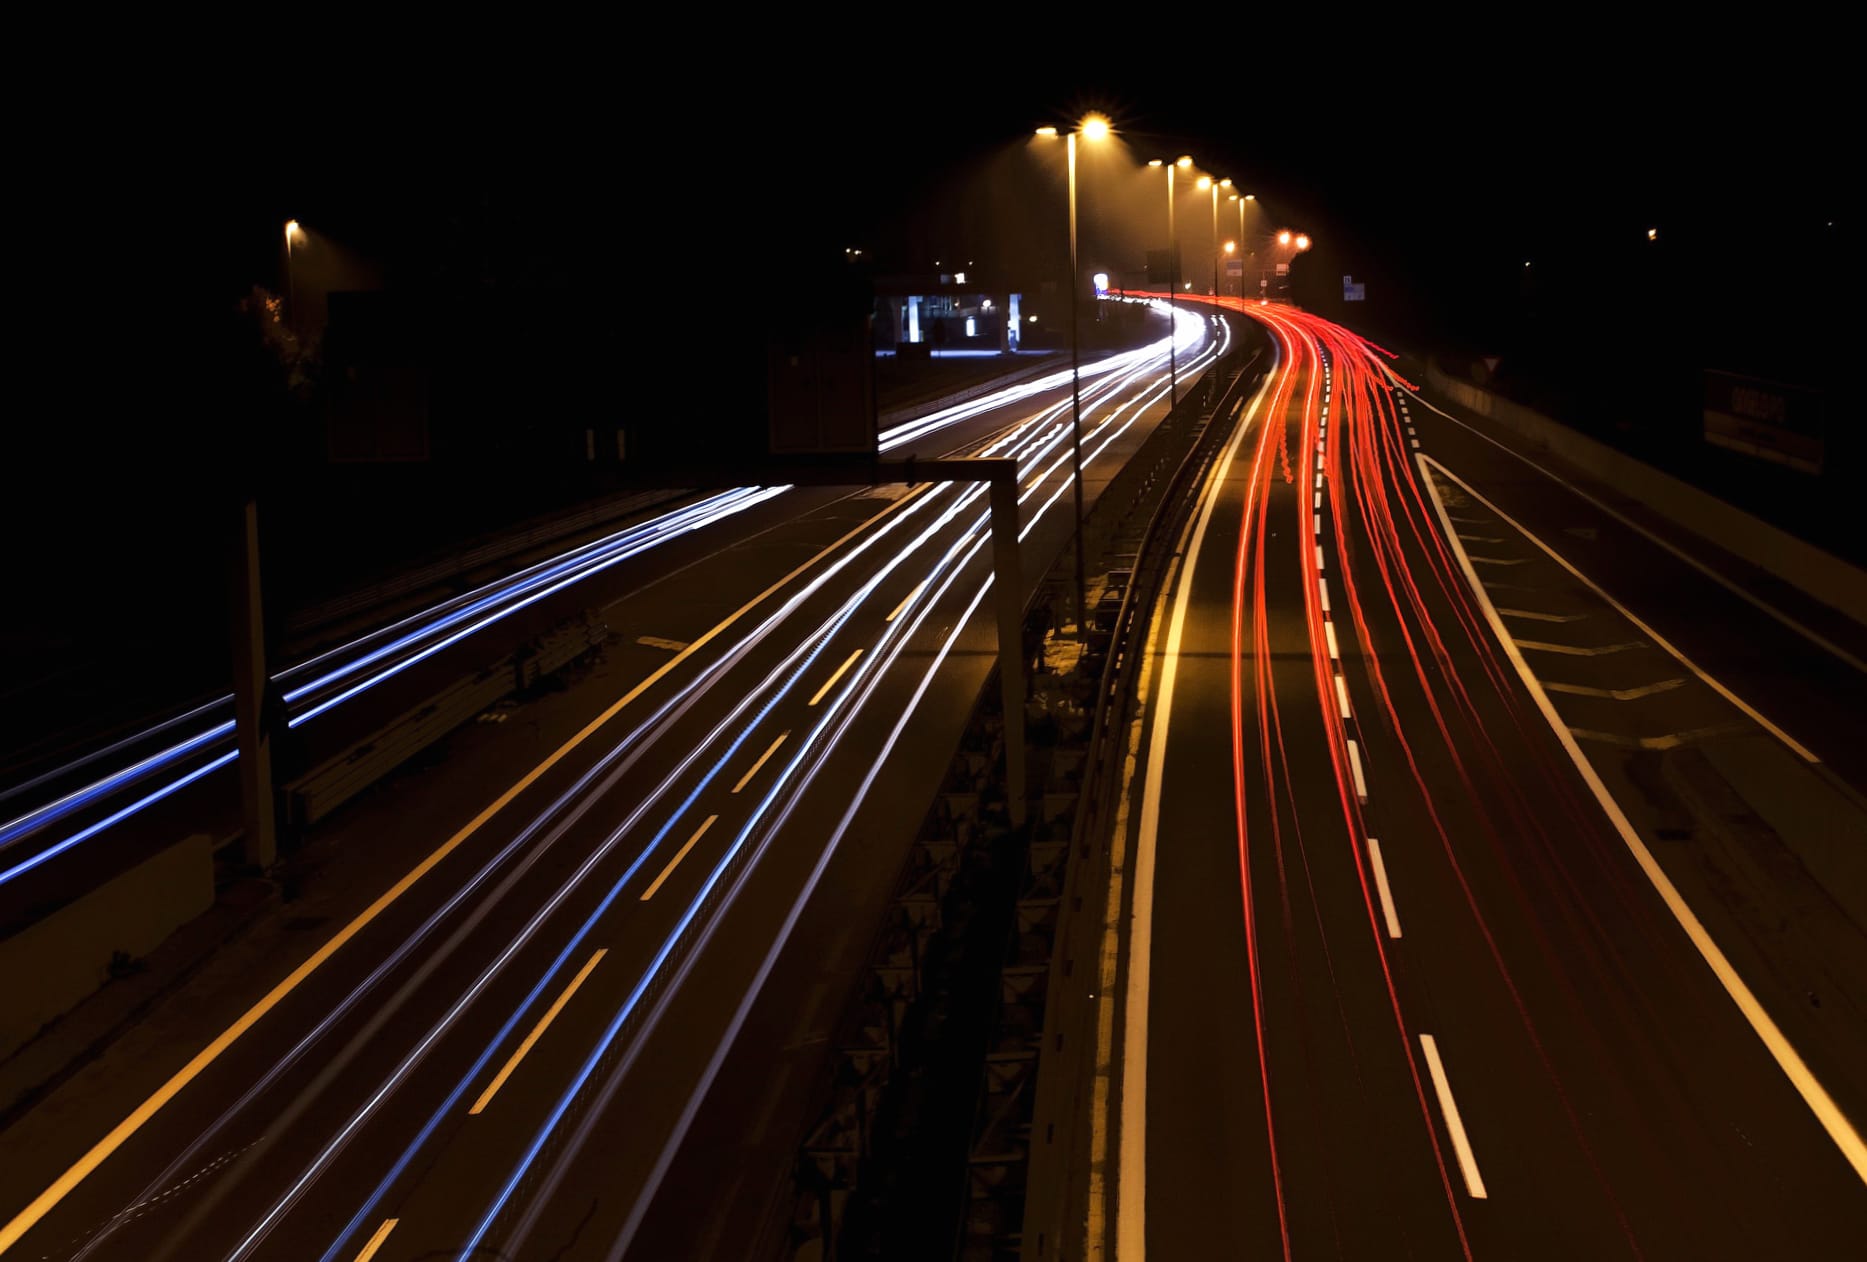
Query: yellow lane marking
(375, 1241)
(81, 1169)
(676, 860)
(906, 601)
(505, 1072)
(769, 751)
(831, 681)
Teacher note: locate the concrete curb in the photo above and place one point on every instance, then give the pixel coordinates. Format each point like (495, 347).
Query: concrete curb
(1821, 575)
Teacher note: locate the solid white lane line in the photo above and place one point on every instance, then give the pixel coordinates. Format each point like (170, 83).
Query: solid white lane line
(375, 1241)
(831, 681)
(1468, 1164)
(1542, 617)
(1616, 694)
(1131, 1168)
(1341, 694)
(1840, 1129)
(512, 1063)
(1328, 629)
(1812, 636)
(1639, 623)
(754, 770)
(907, 600)
(1354, 765)
(1380, 884)
(676, 860)
(1577, 650)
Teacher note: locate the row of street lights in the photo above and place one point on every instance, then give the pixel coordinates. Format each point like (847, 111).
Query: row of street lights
(1095, 127)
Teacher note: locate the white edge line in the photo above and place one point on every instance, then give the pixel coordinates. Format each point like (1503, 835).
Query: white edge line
(1814, 637)
(1801, 751)
(1468, 1164)
(1131, 1167)
(1840, 1129)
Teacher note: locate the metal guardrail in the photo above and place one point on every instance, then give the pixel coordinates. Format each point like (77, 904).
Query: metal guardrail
(1055, 1179)
(326, 787)
(551, 531)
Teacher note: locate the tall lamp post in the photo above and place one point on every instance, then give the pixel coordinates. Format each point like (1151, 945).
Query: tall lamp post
(292, 230)
(1173, 279)
(1093, 127)
(1241, 200)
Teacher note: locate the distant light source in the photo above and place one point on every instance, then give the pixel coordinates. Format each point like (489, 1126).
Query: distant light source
(1153, 162)
(1094, 127)
(1046, 131)
(292, 229)
(1283, 238)
(1203, 183)
(1526, 262)
(959, 278)
(1189, 284)
(1302, 241)
(1225, 183)
(1184, 162)
(971, 328)
(1653, 234)
(986, 305)
(1101, 280)
(1033, 319)
(1251, 197)
(1230, 246)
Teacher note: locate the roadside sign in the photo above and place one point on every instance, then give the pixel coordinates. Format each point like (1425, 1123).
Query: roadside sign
(1352, 292)
(1766, 419)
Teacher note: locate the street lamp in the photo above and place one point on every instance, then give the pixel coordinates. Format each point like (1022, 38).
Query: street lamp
(1092, 127)
(1184, 162)
(291, 303)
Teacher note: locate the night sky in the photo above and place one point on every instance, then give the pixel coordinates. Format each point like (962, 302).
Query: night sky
(668, 191)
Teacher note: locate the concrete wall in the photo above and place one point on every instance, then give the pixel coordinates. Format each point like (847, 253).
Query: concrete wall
(1821, 575)
(52, 966)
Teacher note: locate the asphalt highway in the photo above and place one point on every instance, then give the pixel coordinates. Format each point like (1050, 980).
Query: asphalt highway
(505, 1052)
(1497, 864)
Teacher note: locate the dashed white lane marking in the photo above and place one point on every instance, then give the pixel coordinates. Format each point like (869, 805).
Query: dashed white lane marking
(1534, 616)
(1354, 765)
(1322, 589)
(1499, 560)
(1616, 694)
(1415, 442)
(1317, 521)
(1481, 538)
(1832, 1117)
(1319, 556)
(1341, 695)
(1468, 1164)
(1328, 629)
(1317, 501)
(1388, 911)
(1577, 650)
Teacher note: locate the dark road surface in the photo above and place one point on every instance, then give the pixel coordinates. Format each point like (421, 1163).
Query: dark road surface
(1426, 960)
(509, 1050)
